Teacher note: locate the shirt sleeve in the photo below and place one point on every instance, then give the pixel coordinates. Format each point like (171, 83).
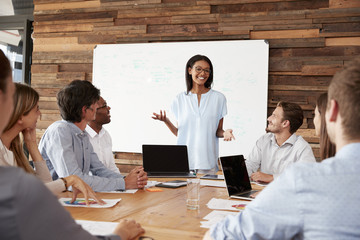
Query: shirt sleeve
(42, 172)
(253, 161)
(56, 187)
(223, 110)
(62, 155)
(274, 214)
(174, 108)
(36, 210)
(113, 167)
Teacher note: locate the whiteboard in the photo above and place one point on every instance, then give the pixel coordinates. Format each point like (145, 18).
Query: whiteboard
(139, 79)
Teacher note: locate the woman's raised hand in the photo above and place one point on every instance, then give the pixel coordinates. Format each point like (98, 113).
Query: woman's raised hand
(160, 117)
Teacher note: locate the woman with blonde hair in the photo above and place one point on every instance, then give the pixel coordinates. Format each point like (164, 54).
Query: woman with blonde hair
(23, 122)
(327, 149)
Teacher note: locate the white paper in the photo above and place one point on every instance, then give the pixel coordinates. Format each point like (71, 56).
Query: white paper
(212, 183)
(151, 184)
(260, 184)
(98, 228)
(132, 191)
(214, 217)
(175, 184)
(79, 203)
(224, 204)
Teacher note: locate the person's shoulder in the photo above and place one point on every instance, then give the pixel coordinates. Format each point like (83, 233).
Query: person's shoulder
(301, 141)
(303, 170)
(181, 96)
(217, 94)
(59, 127)
(266, 137)
(58, 124)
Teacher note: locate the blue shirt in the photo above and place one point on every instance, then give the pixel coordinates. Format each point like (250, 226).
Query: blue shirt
(308, 201)
(197, 126)
(68, 151)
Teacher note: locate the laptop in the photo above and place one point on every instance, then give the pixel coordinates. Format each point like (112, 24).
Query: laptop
(236, 177)
(166, 161)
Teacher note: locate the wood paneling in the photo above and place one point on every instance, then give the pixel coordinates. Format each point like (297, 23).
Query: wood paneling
(309, 41)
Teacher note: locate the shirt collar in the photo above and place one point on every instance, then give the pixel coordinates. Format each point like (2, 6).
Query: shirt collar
(77, 131)
(291, 140)
(92, 132)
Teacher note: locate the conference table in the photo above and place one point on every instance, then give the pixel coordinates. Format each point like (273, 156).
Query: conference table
(163, 215)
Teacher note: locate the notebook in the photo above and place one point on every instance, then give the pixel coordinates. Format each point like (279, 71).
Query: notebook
(166, 161)
(236, 177)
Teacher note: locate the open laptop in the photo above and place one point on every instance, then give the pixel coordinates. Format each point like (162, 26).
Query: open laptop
(236, 177)
(166, 161)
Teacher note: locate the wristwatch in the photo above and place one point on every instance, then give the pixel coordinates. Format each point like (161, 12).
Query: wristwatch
(65, 183)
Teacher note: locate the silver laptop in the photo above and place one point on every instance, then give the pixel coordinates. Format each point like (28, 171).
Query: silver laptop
(236, 177)
(166, 161)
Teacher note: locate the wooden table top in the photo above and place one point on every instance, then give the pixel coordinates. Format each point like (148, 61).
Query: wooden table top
(163, 215)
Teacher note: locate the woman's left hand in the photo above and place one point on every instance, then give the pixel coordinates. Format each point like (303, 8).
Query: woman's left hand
(228, 135)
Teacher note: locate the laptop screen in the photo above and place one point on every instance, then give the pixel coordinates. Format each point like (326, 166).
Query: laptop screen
(165, 158)
(235, 173)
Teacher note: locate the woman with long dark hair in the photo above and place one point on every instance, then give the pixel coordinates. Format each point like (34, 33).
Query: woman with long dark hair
(200, 113)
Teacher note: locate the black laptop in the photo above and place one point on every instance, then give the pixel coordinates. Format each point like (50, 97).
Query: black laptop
(166, 161)
(236, 177)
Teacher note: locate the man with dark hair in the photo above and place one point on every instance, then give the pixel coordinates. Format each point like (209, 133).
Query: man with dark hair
(67, 150)
(280, 147)
(312, 200)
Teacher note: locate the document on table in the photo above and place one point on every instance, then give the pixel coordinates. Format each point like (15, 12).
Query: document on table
(213, 183)
(80, 202)
(260, 184)
(151, 184)
(224, 204)
(214, 217)
(98, 228)
(122, 191)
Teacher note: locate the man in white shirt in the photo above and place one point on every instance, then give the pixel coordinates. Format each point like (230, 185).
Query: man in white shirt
(280, 147)
(100, 138)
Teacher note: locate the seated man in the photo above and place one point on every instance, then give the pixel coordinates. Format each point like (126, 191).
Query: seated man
(66, 147)
(100, 138)
(280, 147)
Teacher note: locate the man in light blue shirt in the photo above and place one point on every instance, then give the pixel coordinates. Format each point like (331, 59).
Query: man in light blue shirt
(67, 150)
(312, 200)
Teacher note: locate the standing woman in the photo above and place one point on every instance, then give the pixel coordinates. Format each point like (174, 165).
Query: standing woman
(327, 149)
(200, 115)
(23, 120)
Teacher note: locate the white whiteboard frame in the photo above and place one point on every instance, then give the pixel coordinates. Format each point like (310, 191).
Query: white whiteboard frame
(138, 79)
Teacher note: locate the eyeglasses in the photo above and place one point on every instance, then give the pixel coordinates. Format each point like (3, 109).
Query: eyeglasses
(199, 70)
(103, 106)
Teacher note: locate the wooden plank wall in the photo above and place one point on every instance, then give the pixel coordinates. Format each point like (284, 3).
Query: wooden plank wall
(309, 41)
